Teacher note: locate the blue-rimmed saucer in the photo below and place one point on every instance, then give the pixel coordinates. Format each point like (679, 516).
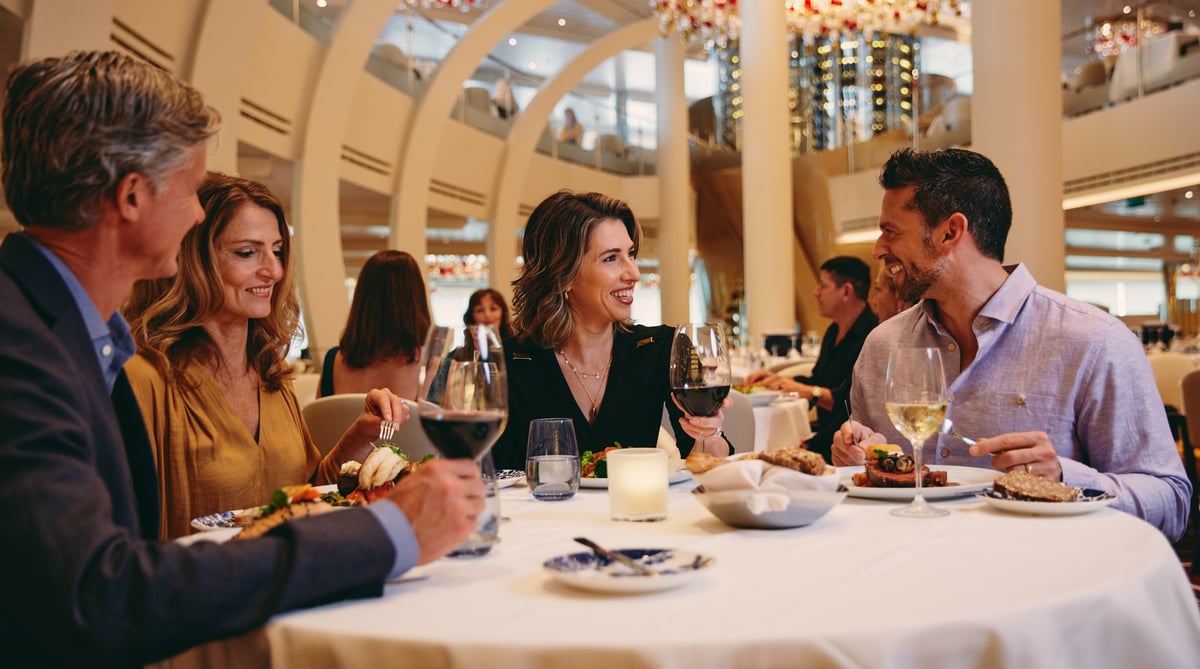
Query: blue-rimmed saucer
(672, 568)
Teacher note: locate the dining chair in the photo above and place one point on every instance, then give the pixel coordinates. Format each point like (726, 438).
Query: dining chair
(1189, 390)
(1169, 368)
(329, 417)
(305, 387)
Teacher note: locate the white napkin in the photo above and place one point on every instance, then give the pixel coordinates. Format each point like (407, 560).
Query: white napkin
(771, 484)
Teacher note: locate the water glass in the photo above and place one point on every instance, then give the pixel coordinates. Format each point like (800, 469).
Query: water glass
(637, 484)
(552, 459)
(487, 532)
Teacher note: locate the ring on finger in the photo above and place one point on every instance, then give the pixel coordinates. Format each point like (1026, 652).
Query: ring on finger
(1028, 468)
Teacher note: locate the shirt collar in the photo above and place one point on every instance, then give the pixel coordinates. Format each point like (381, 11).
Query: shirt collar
(1004, 304)
(112, 342)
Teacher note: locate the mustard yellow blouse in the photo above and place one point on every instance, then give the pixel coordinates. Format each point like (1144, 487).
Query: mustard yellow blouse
(207, 460)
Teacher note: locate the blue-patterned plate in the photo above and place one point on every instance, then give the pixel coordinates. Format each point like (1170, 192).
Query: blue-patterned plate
(1089, 500)
(508, 477)
(672, 568)
(224, 520)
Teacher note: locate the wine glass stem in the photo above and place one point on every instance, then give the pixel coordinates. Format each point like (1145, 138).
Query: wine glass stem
(918, 500)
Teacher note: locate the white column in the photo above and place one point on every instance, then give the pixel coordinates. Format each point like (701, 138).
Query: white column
(766, 170)
(1016, 112)
(674, 180)
(55, 27)
(223, 42)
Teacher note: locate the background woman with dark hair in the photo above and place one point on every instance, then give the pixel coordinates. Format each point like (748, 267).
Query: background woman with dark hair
(381, 344)
(577, 354)
(487, 307)
(210, 374)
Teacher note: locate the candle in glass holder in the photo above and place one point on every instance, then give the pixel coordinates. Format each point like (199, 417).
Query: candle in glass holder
(637, 484)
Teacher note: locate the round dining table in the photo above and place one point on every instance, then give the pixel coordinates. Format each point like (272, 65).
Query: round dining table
(857, 588)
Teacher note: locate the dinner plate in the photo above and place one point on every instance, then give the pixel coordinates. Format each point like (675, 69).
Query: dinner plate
(1089, 500)
(672, 568)
(217, 535)
(761, 398)
(223, 520)
(509, 477)
(675, 477)
(962, 480)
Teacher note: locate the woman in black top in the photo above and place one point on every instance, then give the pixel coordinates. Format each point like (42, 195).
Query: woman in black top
(577, 354)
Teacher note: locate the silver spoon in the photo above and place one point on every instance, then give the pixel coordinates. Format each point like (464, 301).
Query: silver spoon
(618, 557)
(948, 429)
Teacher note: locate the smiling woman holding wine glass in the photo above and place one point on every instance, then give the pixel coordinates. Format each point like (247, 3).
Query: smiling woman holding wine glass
(577, 354)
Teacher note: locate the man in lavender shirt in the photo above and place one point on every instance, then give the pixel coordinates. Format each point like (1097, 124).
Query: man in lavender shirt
(1048, 383)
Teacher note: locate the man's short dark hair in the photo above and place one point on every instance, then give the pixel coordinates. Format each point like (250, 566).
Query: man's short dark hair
(955, 180)
(851, 270)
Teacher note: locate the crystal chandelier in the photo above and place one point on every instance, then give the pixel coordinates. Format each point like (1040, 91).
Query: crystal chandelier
(716, 23)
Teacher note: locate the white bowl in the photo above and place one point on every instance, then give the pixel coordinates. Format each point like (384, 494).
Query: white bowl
(761, 398)
(804, 507)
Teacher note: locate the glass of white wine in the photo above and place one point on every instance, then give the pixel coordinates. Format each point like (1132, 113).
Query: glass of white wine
(915, 395)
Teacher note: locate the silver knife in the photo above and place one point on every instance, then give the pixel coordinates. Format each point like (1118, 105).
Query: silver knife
(619, 557)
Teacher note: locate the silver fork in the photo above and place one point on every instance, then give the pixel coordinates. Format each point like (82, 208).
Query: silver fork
(387, 429)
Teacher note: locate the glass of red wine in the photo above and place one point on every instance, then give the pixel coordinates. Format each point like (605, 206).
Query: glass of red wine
(700, 374)
(465, 391)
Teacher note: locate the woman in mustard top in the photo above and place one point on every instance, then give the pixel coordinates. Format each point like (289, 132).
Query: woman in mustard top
(210, 375)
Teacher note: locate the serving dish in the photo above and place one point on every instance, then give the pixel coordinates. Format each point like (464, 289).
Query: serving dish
(737, 507)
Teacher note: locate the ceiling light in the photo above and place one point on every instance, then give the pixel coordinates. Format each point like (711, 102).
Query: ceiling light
(562, 22)
(532, 65)
(512, 41)
(1188, 195)
(322, 3)
(1126, 9)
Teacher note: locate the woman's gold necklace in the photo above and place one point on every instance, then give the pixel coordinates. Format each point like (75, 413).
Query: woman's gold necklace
(580, 376)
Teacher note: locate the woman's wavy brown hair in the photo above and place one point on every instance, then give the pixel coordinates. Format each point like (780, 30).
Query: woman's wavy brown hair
(556, 238)
(167, 315)
(390, 312)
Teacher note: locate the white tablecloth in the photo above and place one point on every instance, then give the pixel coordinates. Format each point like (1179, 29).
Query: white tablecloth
(859, 588)
(781, 425)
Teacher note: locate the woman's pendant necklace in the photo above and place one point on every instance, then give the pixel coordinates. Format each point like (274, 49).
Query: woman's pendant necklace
(580, 376)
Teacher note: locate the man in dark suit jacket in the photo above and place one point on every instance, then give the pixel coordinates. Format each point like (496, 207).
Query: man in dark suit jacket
(102, 156)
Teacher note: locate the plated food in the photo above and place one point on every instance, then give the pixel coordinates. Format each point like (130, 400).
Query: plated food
(1027, 493)
(1033, 488)
(799, 459)
(887, 466)
(672, 568)
(1088, 500)
(759, 394)
(358, 484)
(959, 481)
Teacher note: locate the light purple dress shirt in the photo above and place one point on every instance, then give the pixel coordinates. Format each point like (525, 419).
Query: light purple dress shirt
(1052, 364)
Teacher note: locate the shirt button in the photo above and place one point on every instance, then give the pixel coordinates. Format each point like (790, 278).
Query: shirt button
(951, 347)
(1020, 400)
(106, 350)
(950, 397)
(945, 452)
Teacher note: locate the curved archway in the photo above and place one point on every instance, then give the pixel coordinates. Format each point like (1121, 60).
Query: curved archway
(410, 201)
(523, 137)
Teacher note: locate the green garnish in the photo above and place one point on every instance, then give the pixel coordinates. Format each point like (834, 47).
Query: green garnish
(279, 500)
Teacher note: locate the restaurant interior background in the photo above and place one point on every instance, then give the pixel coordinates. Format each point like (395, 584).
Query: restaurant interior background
(1130, 246)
